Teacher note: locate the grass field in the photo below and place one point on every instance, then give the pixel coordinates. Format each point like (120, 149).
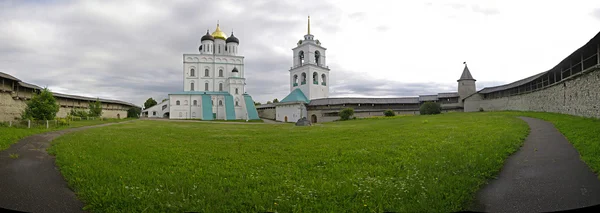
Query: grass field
(406, 164)
(10, 135)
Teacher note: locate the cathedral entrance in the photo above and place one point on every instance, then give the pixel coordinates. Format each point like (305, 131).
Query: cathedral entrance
(285, 119)
(313, 118)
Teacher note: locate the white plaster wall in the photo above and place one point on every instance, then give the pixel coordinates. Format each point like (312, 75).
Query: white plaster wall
(292, 111)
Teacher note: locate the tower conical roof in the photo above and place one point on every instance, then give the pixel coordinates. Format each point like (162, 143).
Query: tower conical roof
(466, 74)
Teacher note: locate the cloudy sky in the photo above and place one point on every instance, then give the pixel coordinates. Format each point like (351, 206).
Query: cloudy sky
(132, 50)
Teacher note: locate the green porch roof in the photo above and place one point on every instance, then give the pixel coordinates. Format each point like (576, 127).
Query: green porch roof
(295, 96)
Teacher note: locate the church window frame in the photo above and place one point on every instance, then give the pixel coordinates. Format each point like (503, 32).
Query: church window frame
(185, 103)
(220, 103)
(317, 57)
(324, 80)
(303, 78)
(192, 86)
(206, 73)
(220, 72)
(220, 87)
(177, 103)
(295, 80)
(236, 91)
(195, 102)
(206, 86)
(237, 103)
(192, 72)
(301, 57)
(316, 78)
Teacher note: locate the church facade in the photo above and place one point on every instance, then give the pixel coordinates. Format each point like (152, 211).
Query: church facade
(213, 84)
(309, 92)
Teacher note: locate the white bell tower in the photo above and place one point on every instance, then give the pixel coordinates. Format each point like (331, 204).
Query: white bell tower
(309, 72)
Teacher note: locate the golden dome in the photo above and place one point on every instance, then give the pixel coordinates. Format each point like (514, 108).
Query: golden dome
(218, 34)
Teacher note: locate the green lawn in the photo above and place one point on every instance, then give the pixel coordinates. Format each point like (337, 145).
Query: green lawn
(10, 135)
(404, 164)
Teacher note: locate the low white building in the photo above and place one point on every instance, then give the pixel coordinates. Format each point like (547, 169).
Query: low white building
(160, 110)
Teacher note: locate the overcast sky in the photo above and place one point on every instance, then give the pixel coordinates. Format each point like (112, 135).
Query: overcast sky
(132, 50)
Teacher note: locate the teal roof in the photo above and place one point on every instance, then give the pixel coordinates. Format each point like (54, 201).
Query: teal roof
(200, 93)
(295, 96)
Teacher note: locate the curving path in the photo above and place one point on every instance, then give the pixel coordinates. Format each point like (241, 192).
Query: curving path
(31, 182)
(545, 175)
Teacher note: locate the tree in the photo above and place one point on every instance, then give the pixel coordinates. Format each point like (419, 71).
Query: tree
(389, 113)
(149, 103)
(275, 100)
(164, 100)
(257, 103)
(134, 112)
(269, 102)
(430, 108)
(42, 106)
(95, 109)
(346, 114)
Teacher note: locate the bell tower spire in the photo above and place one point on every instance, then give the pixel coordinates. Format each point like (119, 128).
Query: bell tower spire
(308, 25)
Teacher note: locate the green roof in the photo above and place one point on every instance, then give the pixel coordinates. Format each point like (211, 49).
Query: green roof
(295, 96)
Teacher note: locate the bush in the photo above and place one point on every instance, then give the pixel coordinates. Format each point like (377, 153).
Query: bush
(95, 108)
(78, 113)
(346, 114)
(389, 113)
(42, 106)
(133, 112)
(480, 109)
(430, 108)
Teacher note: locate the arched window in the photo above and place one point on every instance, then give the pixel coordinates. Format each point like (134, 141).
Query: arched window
(236, 91)
(177, 103)
(195, 102)
(220, 73)
(315, 78)
(295, 80)
(192, 72)
(324, 80)
(317, 57)
(301, 57)
(237, 103)
(192, 86)
(164, 107)
(205, 86)
(206, 73)
(303, 78)
(185, 103)
(220, 86)
(220, 103)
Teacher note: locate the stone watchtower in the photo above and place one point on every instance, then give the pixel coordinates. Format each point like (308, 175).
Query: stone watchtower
(466, 83)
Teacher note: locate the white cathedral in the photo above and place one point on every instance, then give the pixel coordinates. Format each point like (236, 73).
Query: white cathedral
(308, 79)
(213, 84)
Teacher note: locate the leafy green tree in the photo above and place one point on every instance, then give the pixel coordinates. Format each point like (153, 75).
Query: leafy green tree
(78, 113)
(269, 102)
(257, 103)
(134, 112)
(149, 103)
(42, 106)
(164, 100)
(275, 100)
(430, 108)
(95, 109)
(346, 114)
(389, 113)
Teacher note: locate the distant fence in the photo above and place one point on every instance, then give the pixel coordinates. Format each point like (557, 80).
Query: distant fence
(45, 124)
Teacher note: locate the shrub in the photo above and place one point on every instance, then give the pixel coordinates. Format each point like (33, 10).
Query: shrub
(95, 109)
(42, 106)
(133, 112)
(430, 108)
(480, 109)
(389, 113)
(78, 113)
(346, 114)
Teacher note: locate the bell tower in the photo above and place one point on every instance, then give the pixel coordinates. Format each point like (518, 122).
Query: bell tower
(310, 72)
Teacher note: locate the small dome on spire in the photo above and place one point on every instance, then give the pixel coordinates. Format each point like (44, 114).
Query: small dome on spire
(207, 37)
(235, 69)
(232, 39)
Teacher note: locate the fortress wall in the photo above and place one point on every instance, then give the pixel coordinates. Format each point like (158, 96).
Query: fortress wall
(578, 96)
(9, 107)
(268, 113)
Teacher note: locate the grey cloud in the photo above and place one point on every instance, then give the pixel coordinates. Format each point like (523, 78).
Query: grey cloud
(485, 11)
(596, 13)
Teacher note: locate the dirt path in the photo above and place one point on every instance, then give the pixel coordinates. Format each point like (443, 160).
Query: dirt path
(546, 174)
(31, 182)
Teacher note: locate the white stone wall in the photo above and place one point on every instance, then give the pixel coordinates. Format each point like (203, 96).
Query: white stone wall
(10, 108)
(579, 96)
(214, 63)
(160, 113)
(291, 111)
